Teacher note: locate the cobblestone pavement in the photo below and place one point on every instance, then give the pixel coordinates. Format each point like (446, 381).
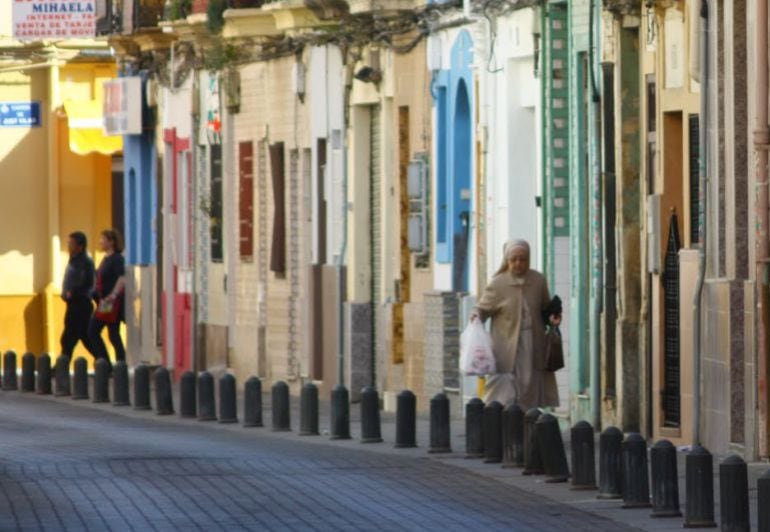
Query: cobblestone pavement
(64, 467)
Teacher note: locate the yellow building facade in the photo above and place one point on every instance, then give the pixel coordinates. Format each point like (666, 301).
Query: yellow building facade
(56, 177)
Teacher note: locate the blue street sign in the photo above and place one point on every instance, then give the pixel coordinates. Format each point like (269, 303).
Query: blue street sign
(19, 114)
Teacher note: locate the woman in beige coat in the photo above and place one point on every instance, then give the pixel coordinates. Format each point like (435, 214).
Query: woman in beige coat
(515, 300)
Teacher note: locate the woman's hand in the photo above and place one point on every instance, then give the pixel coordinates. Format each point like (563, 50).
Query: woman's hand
(555, 320)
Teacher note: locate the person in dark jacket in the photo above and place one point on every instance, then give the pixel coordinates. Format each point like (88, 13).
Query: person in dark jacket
(108, 293)
(76, 292)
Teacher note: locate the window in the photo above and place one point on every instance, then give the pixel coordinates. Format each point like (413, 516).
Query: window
(215, 205)
(246, 200)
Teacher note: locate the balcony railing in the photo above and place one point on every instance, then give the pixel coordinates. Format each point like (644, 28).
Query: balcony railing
(124, 17)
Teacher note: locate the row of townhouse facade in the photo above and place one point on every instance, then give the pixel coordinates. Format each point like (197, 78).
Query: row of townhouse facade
(336, 189)
(319, 189)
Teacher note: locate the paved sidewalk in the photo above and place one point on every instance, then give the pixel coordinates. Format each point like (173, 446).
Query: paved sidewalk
(74, 465)
(510, 481)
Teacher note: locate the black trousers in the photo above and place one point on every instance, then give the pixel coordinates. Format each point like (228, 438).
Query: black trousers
(98, 348)
(76, 320)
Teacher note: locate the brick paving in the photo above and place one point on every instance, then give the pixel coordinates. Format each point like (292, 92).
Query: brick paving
(65, 467)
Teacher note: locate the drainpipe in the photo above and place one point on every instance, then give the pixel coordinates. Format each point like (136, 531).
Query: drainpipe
(702, 198)
(761, 142)
(596, 232)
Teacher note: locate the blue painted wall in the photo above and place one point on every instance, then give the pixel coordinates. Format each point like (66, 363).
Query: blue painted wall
(140, 192)
(453, 97)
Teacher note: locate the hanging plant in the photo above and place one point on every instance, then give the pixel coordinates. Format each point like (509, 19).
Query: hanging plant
(215, 15)
(177, 9)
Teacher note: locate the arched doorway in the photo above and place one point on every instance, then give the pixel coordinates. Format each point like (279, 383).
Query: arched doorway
(461, 193)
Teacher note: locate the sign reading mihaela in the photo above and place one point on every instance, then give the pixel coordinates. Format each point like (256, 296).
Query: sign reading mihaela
(37, 20)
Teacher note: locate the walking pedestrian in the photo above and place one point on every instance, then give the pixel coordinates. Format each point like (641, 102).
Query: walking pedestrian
(76, 292)
(110, 284)
(515, 300)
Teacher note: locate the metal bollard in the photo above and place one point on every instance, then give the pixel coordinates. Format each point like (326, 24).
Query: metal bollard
(44, 374)
(120, 395)
(370, 416)
(636, 484)
(164, 402)
(187, 386)
(583, 458)
(440, 435)
(474, 428)
(207, 409)
(734, 494)
(533, 458)
(308, 410)
(611, 464)
(80, 379)
(9, 372)
(665, 480)
(228, 408)
(763, 502)
(406, 420)
(102, 381)
(340, 413)
(699, 504)
(513, 436)
(552, 449)
(142, 387)
(281, 414)
(28, 372)
(62, 376)
(252, 403)
(493, 434)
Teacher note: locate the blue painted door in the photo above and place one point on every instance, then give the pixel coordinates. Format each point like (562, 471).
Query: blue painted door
(461, 193)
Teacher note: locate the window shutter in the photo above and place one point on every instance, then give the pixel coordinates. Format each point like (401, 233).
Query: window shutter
(278, 248)
(246, 203)
(215, 213)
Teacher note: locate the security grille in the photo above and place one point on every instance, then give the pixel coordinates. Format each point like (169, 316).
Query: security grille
(671, 371)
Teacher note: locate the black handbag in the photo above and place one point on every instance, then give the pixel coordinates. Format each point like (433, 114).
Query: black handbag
(554, 352)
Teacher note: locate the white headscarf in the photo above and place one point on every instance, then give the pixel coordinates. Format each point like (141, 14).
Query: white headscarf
(509, 248)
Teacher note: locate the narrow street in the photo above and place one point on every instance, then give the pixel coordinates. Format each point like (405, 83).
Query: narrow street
(66, 466)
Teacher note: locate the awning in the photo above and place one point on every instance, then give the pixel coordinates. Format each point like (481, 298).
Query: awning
(85, 127)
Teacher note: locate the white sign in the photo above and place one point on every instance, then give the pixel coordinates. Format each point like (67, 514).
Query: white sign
(38, 20)
(122, 113)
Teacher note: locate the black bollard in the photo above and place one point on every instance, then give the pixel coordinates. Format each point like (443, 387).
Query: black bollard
(583, 459)
(513, 436)
(636, 484)
(281, 413)
(228, 409)
(611, 464)
(187, 406)
(44, 374)
(493, 433)
(164, 402)
(120, 395)
(102, 381)
(406, 420)
(142, 387)
(533, 458)
(308, 410)
(252, 403)
(28, 372)
(62, 376)
(699, 504)
(340, 413)
(474, 428)
(763, 502)
(552, 449)
(9, 371)
(207, 410)
(370, 416)
(440, 436)
(665, 480)
(734, 494)
(80, 379)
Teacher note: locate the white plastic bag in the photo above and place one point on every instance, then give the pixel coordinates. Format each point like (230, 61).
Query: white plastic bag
(476, 357)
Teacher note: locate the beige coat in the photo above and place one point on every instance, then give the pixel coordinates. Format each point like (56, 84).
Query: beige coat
(520, 361)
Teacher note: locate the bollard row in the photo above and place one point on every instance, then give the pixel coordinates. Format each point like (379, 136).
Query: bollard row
(495, 433)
